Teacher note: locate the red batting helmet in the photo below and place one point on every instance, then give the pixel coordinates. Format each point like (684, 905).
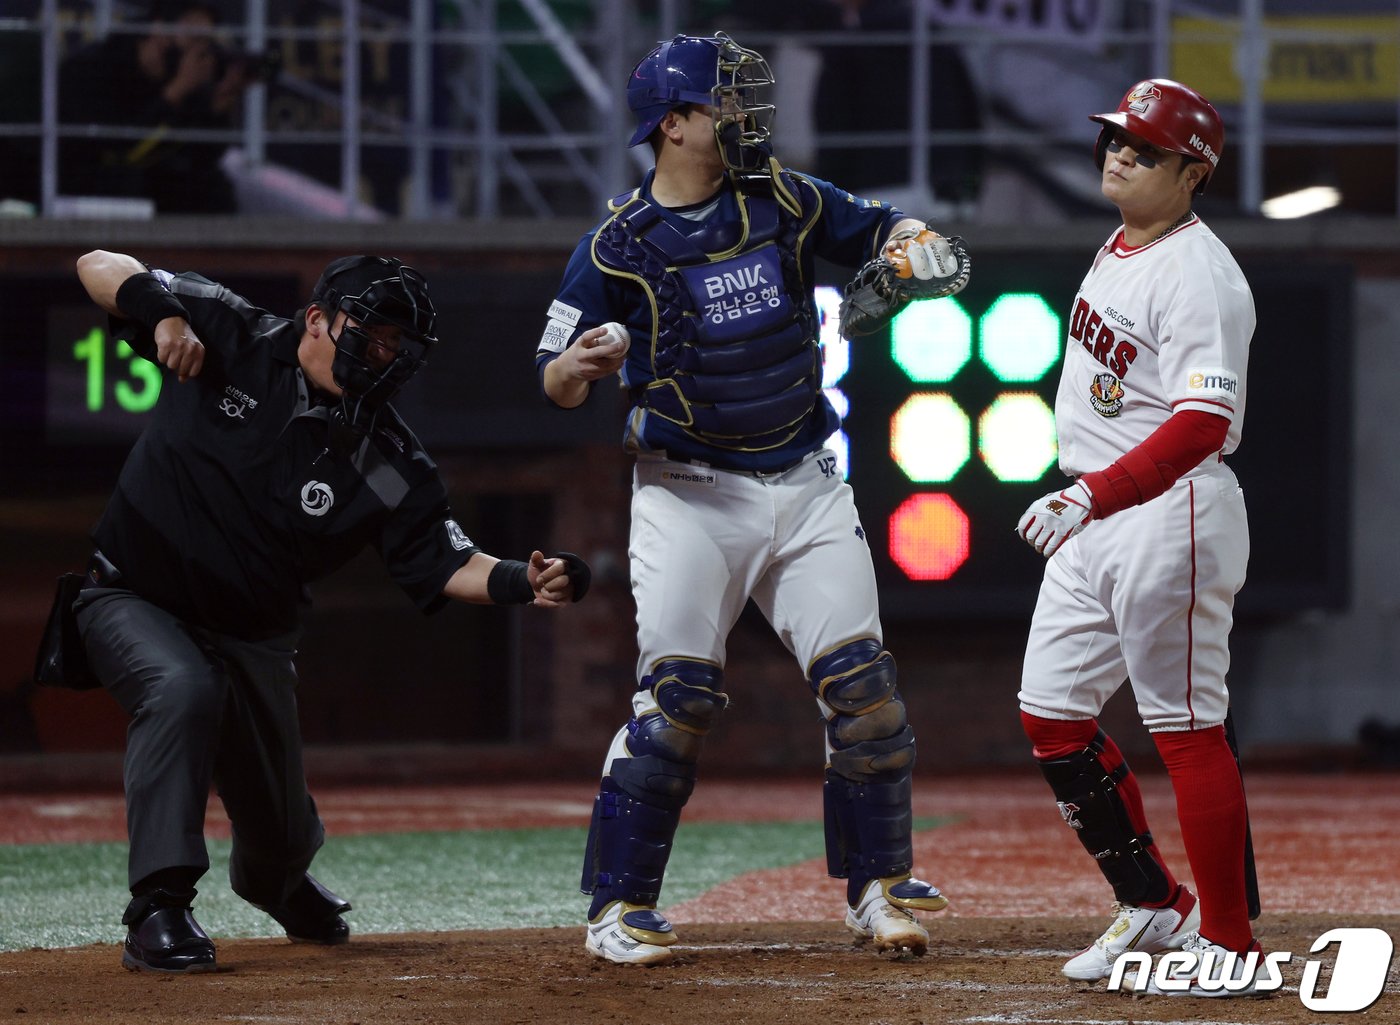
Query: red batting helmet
(1171, 116)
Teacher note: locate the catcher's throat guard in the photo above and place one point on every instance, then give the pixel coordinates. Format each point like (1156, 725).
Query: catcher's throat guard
(884, 286)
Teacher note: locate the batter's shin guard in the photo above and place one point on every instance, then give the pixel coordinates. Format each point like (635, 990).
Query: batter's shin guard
(869, 829)
(629, 839)
(1091, 805)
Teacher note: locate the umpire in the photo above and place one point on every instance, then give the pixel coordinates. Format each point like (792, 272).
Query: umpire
(276, 460)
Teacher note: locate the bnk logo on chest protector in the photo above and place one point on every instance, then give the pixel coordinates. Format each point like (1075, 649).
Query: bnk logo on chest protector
(738, 297)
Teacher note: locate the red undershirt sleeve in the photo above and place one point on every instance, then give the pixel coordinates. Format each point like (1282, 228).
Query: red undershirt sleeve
(1144, 472)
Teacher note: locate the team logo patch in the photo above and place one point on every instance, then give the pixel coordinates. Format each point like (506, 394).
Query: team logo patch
(457, 537)
(1069, 813)
(1141, 96)
(1106, 395)
(317, 498)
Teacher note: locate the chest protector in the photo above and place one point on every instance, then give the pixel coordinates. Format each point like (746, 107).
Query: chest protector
(734, 359)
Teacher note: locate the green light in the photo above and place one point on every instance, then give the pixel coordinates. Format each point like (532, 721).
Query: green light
(931, 341)
(1016, 437)
(930, 437)
(1020, 337)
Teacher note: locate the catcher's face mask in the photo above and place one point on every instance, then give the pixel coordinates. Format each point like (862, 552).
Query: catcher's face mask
(743, 120)
(388, 331)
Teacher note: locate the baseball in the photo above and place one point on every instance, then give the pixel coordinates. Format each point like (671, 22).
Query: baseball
(616, 333)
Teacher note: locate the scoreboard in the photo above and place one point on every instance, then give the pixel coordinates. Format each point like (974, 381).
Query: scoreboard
(948, 428)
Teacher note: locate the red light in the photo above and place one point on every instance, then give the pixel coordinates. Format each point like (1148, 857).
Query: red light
(929, 537)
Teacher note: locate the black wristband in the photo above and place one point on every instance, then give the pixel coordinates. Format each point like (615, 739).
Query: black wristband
(509, 583)
(144, 299)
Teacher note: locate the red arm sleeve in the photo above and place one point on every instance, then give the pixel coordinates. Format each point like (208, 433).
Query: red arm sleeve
(1143, 473)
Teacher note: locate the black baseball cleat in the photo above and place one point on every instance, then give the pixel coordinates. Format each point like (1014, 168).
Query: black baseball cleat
(312, 914)
(162, 935)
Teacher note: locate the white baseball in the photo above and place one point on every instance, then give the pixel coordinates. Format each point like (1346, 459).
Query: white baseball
(616, 333)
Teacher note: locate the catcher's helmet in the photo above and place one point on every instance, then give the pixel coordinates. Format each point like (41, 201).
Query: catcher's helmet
(1171, 116)
(374, 291)
(712, 70)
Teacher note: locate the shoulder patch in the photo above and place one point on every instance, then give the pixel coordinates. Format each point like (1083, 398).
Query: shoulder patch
(563, 311)
(556, 337)
(1212, 383)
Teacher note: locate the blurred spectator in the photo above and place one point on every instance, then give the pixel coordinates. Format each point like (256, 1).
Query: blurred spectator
(866, 88)
(174, 77)
(20, 77)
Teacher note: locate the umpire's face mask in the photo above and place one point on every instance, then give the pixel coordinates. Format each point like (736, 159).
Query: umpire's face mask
(384, 337)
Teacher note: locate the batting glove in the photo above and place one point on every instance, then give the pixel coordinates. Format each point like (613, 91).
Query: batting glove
(1054, 519)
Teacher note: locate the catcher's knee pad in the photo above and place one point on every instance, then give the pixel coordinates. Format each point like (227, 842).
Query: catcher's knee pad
(688, 705)
(1087, 794)
(871, 759)
(868, 734)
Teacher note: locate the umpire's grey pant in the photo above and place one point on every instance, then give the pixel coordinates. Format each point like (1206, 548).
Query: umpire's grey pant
(205, 706)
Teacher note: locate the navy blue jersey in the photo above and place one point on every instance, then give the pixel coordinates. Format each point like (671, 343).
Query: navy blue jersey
(832, 224)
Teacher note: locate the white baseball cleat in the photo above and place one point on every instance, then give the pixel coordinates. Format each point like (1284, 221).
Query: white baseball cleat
(1214, 965)
(1150, 930)
(628, 934)
(890, 926)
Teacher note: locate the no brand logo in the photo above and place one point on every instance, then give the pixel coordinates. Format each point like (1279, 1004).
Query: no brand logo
(317, 498)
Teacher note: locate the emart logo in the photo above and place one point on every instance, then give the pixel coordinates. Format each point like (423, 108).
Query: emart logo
(1358, 975)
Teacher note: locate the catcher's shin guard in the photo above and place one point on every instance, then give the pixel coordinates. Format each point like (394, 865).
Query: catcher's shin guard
(869, 821)
(1089, 801)
(629, 844)
(640, 799)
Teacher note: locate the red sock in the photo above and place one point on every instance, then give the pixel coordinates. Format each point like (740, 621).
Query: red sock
(1060, 738)
(1210, 807)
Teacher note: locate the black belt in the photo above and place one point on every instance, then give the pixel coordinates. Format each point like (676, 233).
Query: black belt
(101, 572)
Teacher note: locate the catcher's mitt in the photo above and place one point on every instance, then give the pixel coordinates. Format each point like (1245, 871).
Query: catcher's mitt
(888, 283)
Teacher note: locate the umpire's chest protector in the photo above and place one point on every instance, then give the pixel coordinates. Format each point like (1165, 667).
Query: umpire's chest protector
(734, 359)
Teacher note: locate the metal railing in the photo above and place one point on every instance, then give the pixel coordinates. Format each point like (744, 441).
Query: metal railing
(459, 159)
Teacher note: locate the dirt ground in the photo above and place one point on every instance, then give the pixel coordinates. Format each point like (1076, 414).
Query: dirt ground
(1000, 970)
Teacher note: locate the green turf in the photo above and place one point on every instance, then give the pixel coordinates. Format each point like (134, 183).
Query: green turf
(62, 895)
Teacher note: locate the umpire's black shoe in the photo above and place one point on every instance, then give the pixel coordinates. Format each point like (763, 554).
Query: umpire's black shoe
(312, 914)
(162, 935)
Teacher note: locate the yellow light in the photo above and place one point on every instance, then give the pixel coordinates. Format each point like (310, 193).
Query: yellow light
(1016, 437)
(930, 437)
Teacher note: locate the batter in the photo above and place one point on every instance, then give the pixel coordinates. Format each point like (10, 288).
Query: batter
(1148, 546)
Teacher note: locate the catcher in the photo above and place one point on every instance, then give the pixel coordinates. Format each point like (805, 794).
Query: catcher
(709, 265)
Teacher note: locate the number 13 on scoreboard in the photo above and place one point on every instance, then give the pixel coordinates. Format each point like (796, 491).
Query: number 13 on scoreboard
(135, 390)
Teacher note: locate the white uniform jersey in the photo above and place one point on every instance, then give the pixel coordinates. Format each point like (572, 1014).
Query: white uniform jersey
(1154, 329)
